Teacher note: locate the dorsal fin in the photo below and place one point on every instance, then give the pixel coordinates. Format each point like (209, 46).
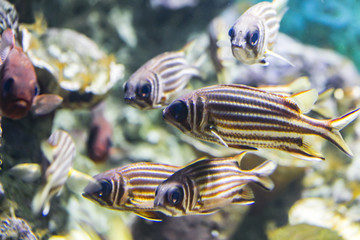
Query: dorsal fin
(305, 100)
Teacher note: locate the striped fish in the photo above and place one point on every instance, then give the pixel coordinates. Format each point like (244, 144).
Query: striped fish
(244, 117)
(59, 151)
(254, 33)
(206, 185)
(159, 79)
(131, 187)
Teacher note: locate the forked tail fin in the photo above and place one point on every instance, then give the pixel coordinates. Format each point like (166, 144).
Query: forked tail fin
(339, 123)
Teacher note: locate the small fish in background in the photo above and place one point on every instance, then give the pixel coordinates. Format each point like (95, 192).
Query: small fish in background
(159, 79)
(58, 154)
(254, 33)
(100, 137)
(131, 188)
(18, 85)
(173, 4)
(206, 185)
(248, 118)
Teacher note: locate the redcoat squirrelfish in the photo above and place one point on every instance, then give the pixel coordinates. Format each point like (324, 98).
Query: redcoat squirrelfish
(244, 117)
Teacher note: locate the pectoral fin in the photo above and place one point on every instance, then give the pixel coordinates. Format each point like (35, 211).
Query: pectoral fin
(273, 54)
(149, 215)
(45, 103)
(214, 132)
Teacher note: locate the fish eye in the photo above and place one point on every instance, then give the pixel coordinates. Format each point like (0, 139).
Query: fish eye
(8, 85)
(232, 33)
(252, 38)
(178, 110)
(126, 87)
(105, 189)
(36, 90)
(144, 90)
(175, 195)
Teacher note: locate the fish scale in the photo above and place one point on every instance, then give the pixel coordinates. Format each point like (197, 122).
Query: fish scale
(243, 117)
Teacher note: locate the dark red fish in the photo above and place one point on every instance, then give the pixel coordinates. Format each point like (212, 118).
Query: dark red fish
(18, 80)
(99, 142)
(18, 83)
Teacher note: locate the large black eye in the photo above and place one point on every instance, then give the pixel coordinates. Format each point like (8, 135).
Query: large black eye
(179, 111)
(175, 195)
(36, 90)
(232, 33)
(105, 189)
(7, 87)
(144, 90)
(252, 38)
(126, 87)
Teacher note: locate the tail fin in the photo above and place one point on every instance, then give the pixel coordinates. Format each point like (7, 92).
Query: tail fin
(339, 123)
(262, 172)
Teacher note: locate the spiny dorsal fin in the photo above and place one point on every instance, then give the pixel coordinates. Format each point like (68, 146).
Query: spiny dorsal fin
(305, 100)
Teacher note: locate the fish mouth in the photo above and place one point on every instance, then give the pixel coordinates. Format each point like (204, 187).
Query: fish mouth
(136, 104)
(17, 109)
(94, 199)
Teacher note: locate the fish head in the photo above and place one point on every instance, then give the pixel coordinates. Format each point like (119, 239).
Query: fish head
(18, 85)
(178, 114)
(105, 188)
(139, 90)
(247, 39)
(170, 197)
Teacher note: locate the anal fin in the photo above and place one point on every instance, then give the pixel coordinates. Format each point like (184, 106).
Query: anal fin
(244, 197)
(149, 215)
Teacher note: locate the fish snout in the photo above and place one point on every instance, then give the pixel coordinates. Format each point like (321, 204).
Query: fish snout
(17, 109)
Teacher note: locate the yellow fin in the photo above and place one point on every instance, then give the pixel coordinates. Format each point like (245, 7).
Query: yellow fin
(305, 100)
(149, 215)
(264, 169)
(28, 172)
(245, 196)
(339, 123)
(308, 151)
(239, 157)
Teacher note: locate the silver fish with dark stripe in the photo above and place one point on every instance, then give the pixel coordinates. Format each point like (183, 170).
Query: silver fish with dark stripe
(206, 185)
(244, 117)
(131, 187)
(254, 33)
(163, 76)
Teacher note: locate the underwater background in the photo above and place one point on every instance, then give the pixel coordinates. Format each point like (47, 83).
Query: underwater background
(311, 200)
